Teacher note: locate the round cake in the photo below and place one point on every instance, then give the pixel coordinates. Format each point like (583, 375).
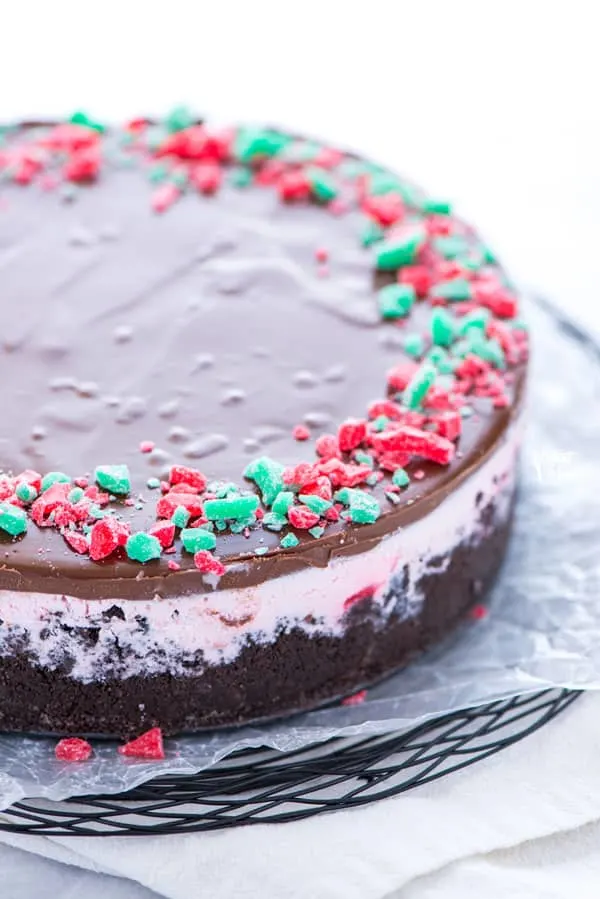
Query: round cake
(260, 423)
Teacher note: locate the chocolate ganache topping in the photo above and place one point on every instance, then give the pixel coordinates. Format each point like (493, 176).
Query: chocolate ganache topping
(227, 354)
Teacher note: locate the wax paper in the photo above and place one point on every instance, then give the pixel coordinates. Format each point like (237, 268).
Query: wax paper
(542, 630)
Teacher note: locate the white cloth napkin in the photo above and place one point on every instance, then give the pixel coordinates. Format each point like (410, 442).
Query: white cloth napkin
(523, 823)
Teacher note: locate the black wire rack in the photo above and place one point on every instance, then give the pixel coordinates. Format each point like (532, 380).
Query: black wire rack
(264, 786)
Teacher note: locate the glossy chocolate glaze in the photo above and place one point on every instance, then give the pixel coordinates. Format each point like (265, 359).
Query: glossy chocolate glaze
(209, 331)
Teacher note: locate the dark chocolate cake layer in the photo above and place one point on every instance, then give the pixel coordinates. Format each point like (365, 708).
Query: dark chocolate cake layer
(247, 378)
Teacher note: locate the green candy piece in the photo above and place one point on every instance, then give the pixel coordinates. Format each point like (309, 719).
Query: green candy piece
(454, 290)
(54, 477)
(75, 495)
(240, 177)
(267, 475)
(255, 143)
(152, 483)
(300, 151)
(489, 255)
(396, 300)
(180, 517)
(82, 118)
(400, 250)
(26, 493)
(114, 478)
(315, 503)
(436, 206)
(371, 233)
(142, 547)
(228, 509)
(274, 522)
(324, 187)
(179, 178)
(414, 345)
(411, 195)
(518, 324)
(316, 532)
(478, 318)
(442, 327)
(400, 478)
(416, 389)
(364, 458)
(179, 118)
(158, 173)
(452, 246)
(380, 423)
(363, 508)
(289, 541)
(383, 183)
(489, 350)
(261, 550)
(351, 169)
(12, 519)
(441, 359)
(195, 539)
(282, 502)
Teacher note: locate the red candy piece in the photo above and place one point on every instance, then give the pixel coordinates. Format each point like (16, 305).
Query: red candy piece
(439, 225)
(146, 446)
(418, 276)
(207, 177)
(293, 186)
(269, 172)
(301, 474)
(327, 447)
(164, 196)
(196, 143)
(386, 209)
(342, 474)
(84, 165)
(180, 474)
(478, 612)
(399, 376)
(72, 749)
(356, 698)
(207, 563)
(449, 424)
(106, 536)
(70, 137)
(321, 487)
(48, 502)
(29, 477)
(416, 442)
(392, 461)
(76, 541)
(172, 565)
(497, 299)
(351, 434)
(96, 495)
(387, 408)
(300, 433)
(321, 254)
(169, 502)
(146, 746)
(164, 532)
(302, 517)
(327, 158)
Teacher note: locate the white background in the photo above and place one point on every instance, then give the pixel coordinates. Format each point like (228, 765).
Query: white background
(495, 104)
